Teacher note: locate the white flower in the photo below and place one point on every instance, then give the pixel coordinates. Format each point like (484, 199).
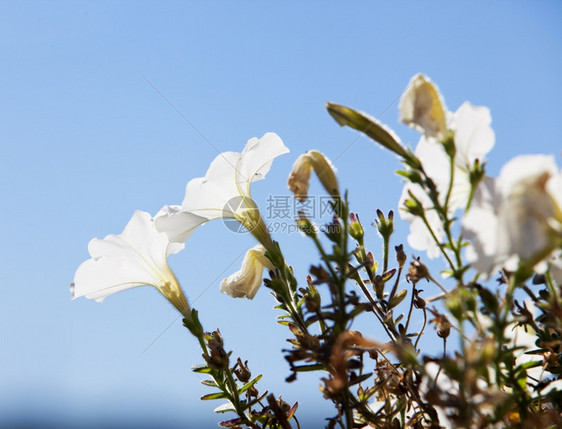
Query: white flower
(302, 169)
(422, 107)
(473, 138)
(136, 257)
(518, 218)
(224, 192)
(246, 282)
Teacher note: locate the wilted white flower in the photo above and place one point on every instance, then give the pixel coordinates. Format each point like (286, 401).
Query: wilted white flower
(224, 192)
(302, 169)
(518, 217)
(136, 257)
(246, 282)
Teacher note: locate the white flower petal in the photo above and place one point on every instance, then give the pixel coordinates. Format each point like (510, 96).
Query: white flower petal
(134, 258)
(177, 224)
(207, 196)
(256, 159)
(422, 107)
(225, 191)
(474, 137)
(524, 169)
(518, 220)
(526, 205)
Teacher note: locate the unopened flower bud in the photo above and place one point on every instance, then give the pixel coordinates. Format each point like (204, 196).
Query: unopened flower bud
(379, 286)
(417, 271)
(217, 357)
(422, 107)
(305, 225)
(302, 170)
(368, 125)
(443, 327)
(413, 205)
(242, 372)
(385, 226)
(355, 227)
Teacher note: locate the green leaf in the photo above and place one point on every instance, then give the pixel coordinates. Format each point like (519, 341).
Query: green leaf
(249, 384)
(398, 298)
(210, 396)
(530, 364)
(306, 368)
(203, 369)
(224, 408)
(360, 379)
(209, 383)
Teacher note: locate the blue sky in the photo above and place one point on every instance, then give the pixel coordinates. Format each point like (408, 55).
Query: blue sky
(90, 130)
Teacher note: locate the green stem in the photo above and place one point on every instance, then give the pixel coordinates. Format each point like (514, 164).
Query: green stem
(386, 243)
(441, 247)
(411, 308)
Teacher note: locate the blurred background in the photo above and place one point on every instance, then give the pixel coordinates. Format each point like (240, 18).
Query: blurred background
(110, 107)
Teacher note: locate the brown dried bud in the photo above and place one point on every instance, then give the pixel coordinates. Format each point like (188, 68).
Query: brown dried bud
(417, 271)
(217, 358)
(242, 372)
(442, 324)
(400, 255)
(311, 303)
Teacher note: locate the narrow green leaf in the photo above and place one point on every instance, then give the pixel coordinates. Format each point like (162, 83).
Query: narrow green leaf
(360, 379)
(203, 369)
(306, 368)
(224, 408)
(210, 396)
(398, 298)
(249, 384)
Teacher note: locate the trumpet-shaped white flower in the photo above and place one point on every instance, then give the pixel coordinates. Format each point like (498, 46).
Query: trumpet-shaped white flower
(224, 192)
(519, 218)
(246, 282)
(302, 170)
(474, 138)
(136, 257)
